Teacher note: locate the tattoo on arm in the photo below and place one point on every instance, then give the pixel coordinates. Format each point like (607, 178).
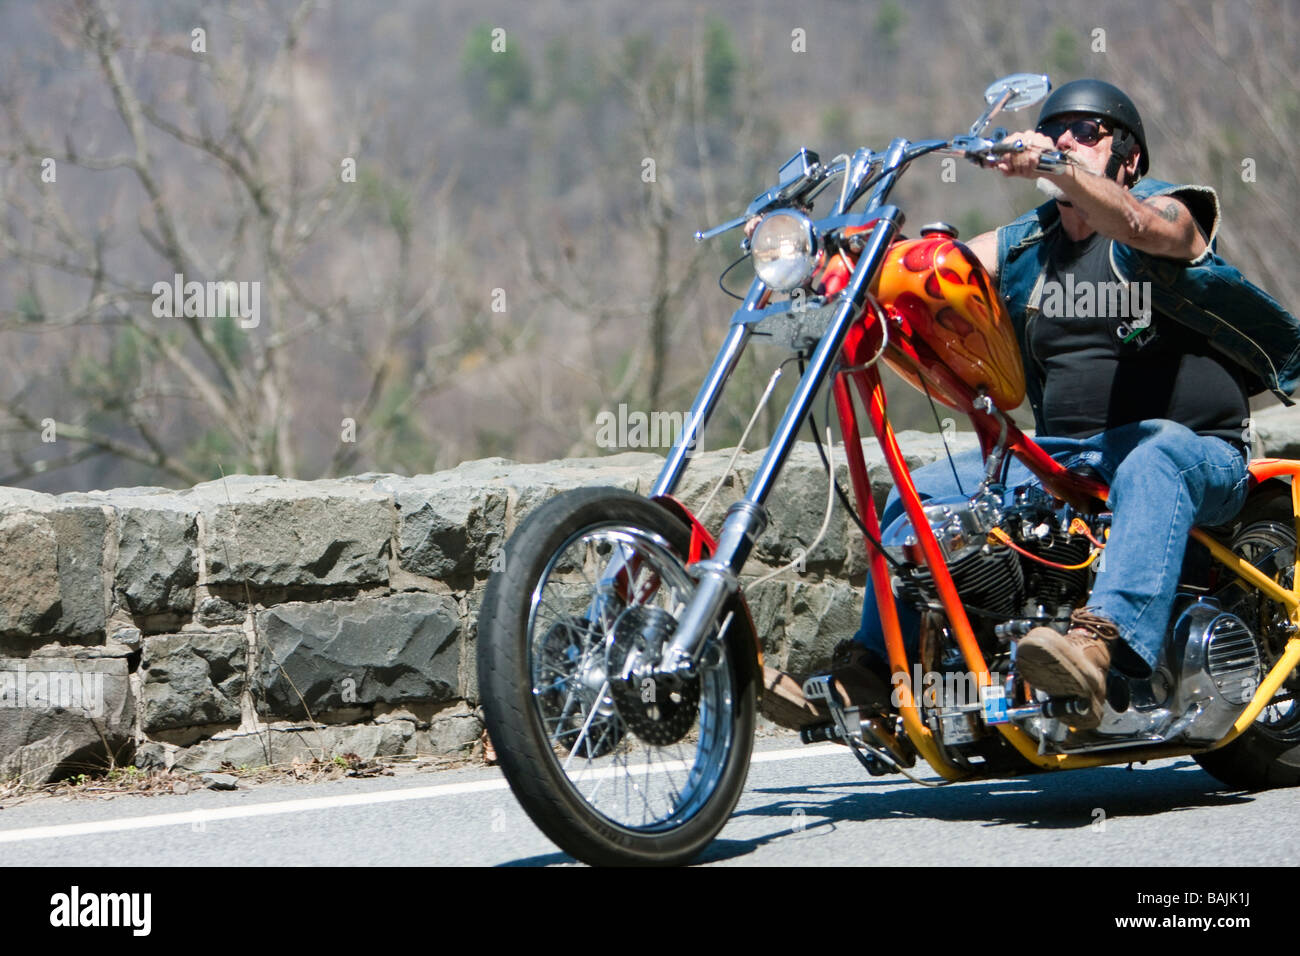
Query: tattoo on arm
(1169, 212)
(1180, 241)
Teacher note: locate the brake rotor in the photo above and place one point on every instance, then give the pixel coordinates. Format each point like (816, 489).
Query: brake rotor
(657, 715)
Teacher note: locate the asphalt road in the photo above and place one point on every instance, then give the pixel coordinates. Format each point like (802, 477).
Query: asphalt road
(801, 806)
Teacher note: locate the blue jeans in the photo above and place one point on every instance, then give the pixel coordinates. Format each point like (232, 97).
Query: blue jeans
(1164, 480)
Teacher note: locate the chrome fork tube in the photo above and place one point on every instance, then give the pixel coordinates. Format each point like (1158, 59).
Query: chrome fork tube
(718, 576)
(707, 398)
(892, 161)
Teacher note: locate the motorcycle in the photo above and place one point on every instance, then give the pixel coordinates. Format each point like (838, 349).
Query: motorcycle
(619, 666)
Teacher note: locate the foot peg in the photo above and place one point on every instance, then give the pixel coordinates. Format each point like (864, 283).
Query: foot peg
(831, 733)
(1065, 708)
(820, 734)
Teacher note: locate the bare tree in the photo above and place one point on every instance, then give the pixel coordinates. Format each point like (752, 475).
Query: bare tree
(234, 166)
(647, 338)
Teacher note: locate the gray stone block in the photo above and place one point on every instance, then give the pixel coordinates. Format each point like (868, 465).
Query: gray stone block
(532, 485)
(283, 744)
(821, 615)
(214, 610)
(767, 608)
(29, 574)
(52, 582)
(272, 532)
(220, 781)
(404, 647)
(81, 532)
(61, 716)
(450, 733)
(448, 529)
(193, 678)
(157, 557)
(797, 507)
(453, 523)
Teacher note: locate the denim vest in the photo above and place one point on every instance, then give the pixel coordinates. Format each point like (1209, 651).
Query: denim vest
(1207, 295)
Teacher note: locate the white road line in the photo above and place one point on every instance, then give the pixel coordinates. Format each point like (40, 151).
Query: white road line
(192, 817)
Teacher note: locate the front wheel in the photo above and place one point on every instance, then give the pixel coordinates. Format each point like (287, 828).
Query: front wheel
(613, 768)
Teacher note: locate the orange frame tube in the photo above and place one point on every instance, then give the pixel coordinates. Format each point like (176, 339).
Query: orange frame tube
(878, 578)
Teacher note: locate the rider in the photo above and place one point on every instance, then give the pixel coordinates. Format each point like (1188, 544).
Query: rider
(1143, 399)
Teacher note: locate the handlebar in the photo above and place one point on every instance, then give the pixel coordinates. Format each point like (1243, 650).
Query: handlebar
(975, 148)
(796, 191)
(736, 223)
(986, 151)
(1053, 160)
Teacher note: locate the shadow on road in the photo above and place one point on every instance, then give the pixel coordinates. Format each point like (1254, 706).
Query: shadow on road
(1047, 801)
(1050, 801)
(542, 859)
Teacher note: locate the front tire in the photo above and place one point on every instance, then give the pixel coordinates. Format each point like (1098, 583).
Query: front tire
(613, 774)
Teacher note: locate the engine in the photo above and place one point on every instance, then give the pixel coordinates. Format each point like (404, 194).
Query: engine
(1014, 564)
(1024, 561)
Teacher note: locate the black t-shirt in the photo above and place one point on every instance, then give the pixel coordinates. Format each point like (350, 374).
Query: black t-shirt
(1108, 359)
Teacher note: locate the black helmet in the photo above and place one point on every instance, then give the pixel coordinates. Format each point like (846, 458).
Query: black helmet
(1101, 99)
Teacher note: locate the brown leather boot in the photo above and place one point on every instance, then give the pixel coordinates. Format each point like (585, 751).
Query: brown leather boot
(856, 678)
(1073, 664)
(861, 678)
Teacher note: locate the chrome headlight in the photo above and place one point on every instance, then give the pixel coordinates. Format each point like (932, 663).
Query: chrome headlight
(785, 250)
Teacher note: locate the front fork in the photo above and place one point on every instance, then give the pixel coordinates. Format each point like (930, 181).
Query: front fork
(719, 575)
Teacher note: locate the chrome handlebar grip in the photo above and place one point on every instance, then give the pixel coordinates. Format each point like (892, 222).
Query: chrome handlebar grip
(1053, 161)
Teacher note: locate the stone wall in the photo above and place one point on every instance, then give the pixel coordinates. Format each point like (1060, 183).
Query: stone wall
(259, 620)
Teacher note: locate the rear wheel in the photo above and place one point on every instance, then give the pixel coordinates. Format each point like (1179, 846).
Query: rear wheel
(614, 769)
(1268, 753)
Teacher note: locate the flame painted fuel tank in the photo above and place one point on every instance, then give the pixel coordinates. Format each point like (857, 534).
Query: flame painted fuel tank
(944, 305)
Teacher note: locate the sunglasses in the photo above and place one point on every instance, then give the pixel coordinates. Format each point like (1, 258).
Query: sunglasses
(1086, 132)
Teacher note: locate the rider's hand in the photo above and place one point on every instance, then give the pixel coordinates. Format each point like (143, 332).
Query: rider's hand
(1025, 163)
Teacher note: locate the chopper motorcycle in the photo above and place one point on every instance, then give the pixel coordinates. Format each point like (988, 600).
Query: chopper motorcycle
(620, 669)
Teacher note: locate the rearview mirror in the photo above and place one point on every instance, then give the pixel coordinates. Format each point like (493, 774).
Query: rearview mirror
(1013, 92)
(1025, 89)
